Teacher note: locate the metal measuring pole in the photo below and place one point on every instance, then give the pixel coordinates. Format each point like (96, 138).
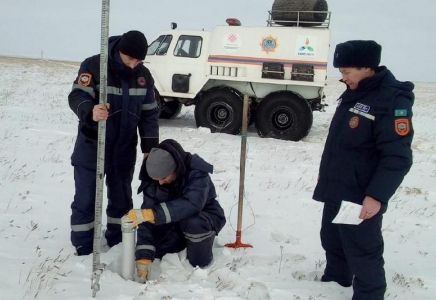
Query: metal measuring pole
(97, 266)
(238, 243)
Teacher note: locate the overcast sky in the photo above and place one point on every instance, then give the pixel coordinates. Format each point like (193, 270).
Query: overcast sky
(70, 30)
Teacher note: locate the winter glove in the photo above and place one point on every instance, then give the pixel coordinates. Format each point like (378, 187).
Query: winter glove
(138, 216)
(142, 266)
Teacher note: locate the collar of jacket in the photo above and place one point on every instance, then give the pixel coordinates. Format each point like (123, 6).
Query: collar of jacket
(181, 157)
(373, 81)
(185, 162)
(365, 85)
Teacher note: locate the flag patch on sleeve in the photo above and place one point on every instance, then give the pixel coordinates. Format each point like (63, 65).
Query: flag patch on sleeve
(401, 112)
(402, 126)
(84, 79)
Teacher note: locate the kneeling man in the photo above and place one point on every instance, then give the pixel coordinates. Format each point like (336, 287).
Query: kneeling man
(180, 209)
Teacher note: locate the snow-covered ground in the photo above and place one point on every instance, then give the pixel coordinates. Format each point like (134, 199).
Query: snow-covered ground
(37, 134)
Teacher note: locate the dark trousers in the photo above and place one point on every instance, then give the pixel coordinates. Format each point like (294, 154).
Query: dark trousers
(354, 251)
(199, 237)
(195, 233)
(119, 194)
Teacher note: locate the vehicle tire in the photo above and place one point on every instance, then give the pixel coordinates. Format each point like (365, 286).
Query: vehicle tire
(167, 109)
(284, 116)
(281, 11)
(220, 110)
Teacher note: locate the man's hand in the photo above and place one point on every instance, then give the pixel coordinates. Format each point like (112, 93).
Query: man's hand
(370, 207)
(138, 216)
(100, 112)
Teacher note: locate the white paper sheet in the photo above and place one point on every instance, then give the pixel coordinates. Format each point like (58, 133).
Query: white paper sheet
(348, 214)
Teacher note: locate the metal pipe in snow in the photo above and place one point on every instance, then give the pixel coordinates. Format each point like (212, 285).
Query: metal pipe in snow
(128, 255)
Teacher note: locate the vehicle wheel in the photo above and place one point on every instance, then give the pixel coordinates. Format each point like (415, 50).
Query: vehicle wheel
(284, 116)
(167, 109)
(220, 110)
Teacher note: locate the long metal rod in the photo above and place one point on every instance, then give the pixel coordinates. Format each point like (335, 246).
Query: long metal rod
(238, 243)
(242, 162)
(97, 267)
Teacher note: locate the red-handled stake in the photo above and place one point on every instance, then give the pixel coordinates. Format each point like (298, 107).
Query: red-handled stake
(238, 243)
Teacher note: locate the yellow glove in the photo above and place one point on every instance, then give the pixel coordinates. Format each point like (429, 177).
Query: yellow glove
(138, 216)
(142, 266)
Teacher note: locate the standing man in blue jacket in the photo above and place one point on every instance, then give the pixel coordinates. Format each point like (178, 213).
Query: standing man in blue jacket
(131, 106)
(366, 156)
(180, 209)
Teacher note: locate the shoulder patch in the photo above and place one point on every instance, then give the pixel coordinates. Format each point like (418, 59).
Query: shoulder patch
(401, 112)
(84, 79)
(402, 126)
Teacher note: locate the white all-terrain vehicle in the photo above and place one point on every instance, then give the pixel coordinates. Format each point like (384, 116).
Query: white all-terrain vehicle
(281, 66)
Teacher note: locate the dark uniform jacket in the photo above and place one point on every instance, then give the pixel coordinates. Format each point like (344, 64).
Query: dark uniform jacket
(368, 148)
(191, 193)
(132, 105)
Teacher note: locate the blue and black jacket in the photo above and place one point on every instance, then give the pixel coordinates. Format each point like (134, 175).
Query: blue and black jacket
(368, 148)
(191, 193)
(130, 93)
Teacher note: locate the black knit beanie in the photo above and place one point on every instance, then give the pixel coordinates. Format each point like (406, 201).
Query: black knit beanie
(133, 44)
(357, 54)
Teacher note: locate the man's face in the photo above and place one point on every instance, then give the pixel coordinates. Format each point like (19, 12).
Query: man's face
(352, 76)
(166, 180)
(129, 61)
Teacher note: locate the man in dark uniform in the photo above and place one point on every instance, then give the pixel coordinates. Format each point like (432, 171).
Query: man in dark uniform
(130, 98)
(366, 156)
(180, 209)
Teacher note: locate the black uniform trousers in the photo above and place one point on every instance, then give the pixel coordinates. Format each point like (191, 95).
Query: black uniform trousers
(195, 233)
(119, 193)
(354, 250)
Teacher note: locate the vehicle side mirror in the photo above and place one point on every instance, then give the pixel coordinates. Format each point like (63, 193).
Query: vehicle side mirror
(173, 25)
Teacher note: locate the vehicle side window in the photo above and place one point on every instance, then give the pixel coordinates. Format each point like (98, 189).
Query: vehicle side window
(188, 46)
(153, 47)
(163, 48)
(160, 45)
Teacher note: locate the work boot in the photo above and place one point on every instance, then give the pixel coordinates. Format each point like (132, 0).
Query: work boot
(326, 278)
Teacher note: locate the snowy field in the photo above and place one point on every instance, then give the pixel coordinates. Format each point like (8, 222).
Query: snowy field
(37, 134)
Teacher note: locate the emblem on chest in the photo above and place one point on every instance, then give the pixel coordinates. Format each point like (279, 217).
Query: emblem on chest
(141, 81)
(354, 122)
